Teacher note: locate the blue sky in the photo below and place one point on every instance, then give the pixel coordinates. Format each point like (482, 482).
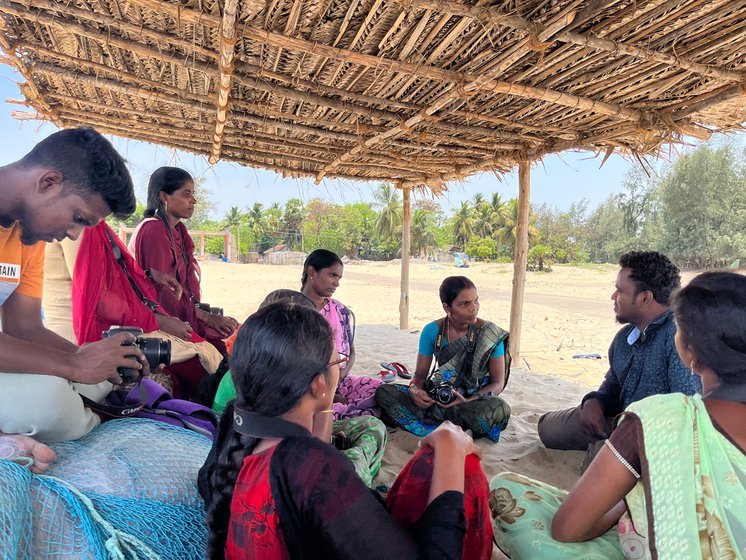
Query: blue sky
(558, 180)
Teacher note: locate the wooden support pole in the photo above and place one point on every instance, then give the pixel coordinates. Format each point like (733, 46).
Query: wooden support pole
(520, 259)
(123, 232)
(405, 227)
(202, 245)
(227, 245)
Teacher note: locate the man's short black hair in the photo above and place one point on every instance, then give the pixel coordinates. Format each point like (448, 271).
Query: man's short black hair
(652, 271)
(89, 165)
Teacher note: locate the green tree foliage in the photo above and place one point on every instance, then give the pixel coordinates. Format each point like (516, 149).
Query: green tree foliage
(233, 221)
(703, 207)
(462, 225)
(481, 247)
(694, 211)
(389, 221)
(292, 220)
(507, 231)
(422, 233)
(563, 233)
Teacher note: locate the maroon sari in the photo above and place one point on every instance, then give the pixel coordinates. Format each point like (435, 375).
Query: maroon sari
(171, 250)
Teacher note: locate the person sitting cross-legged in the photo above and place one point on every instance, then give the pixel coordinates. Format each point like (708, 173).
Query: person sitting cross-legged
(670, 482)
(473, 363)
(274, 488)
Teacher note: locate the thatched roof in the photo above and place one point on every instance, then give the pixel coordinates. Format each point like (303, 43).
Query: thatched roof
(412, 91)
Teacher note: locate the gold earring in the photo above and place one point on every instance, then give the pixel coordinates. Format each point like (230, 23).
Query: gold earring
(323, 395)
(691, 367)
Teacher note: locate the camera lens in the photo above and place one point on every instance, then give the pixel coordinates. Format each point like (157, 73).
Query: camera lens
(156, 351)
(444, 395)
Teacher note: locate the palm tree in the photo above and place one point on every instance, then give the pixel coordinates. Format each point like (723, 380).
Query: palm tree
(421, 234)
(498, 210)
(463, 225)
(234, 219)
(255, 218)
(508, 231)
(388, 224)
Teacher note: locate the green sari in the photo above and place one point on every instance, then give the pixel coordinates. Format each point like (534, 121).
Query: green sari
(689, 504)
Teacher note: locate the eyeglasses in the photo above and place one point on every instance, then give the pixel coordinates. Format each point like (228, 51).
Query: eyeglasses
(341, 359)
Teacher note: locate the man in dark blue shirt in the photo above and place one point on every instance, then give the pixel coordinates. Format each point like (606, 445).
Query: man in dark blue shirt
(643, 360)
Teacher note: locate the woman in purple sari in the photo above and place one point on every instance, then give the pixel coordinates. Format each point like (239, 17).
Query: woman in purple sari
(322, 273)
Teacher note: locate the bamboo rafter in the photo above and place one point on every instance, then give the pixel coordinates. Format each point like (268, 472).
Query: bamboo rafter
(227, 45)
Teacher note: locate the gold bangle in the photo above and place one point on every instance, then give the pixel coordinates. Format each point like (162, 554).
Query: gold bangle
(327, 410)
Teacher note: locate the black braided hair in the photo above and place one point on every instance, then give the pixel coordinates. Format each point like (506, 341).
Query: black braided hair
(278, 353)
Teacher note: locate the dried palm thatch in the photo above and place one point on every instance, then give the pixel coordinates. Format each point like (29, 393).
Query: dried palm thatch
(418, 92)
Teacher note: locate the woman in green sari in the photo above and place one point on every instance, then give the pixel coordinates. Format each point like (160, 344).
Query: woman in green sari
(670, 482)
(472, 369)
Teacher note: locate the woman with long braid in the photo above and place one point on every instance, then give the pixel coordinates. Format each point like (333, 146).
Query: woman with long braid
(275, 489)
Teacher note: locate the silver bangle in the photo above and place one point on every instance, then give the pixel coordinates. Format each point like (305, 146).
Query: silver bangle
(622, 460)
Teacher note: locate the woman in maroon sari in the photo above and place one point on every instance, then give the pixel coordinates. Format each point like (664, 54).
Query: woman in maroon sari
(162, 243)
(108, 288)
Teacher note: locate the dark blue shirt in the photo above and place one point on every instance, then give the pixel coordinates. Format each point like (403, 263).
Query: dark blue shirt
(644, 364)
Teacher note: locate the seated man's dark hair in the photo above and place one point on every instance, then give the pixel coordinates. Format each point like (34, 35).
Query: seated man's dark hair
(89, 165)
(652, 271)
(452, 286)
(711, 318)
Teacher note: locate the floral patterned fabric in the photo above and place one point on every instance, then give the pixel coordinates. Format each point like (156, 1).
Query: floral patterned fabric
(254, 524)
(522, 511)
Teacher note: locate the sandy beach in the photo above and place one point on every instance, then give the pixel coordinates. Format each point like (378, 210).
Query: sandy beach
(566, 312)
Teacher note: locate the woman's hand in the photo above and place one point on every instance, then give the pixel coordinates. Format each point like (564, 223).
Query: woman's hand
(174, 326)
(166, 281)
(449, 436)
(458, 399)
(420, 397)
(224, 325)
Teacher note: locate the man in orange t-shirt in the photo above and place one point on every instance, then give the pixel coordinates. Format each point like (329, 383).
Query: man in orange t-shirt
(70, 180)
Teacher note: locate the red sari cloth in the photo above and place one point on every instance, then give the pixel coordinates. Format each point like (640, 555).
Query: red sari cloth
(407, 501)
(302, 498)
(102, 296)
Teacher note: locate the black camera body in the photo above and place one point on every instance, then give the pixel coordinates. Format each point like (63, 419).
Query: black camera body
(440, 392)
(211, 310)
(157, 351)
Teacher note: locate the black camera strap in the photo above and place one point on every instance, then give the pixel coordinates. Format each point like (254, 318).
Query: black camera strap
(150, 304)
(265, 427)
(124, 410)
(728, 392)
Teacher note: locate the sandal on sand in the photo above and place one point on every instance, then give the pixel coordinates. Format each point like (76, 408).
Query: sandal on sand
(387, 375)
(398, 368)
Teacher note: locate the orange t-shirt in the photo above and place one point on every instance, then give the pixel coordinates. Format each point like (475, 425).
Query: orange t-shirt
(21, 266)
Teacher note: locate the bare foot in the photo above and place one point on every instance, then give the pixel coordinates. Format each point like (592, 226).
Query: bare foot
(16, 448)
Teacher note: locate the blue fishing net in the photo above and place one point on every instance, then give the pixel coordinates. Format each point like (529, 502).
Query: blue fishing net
(127, 490)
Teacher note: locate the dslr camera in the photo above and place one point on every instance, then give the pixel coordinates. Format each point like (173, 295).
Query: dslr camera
(157, 351)
(441, 392)
(211, 310)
